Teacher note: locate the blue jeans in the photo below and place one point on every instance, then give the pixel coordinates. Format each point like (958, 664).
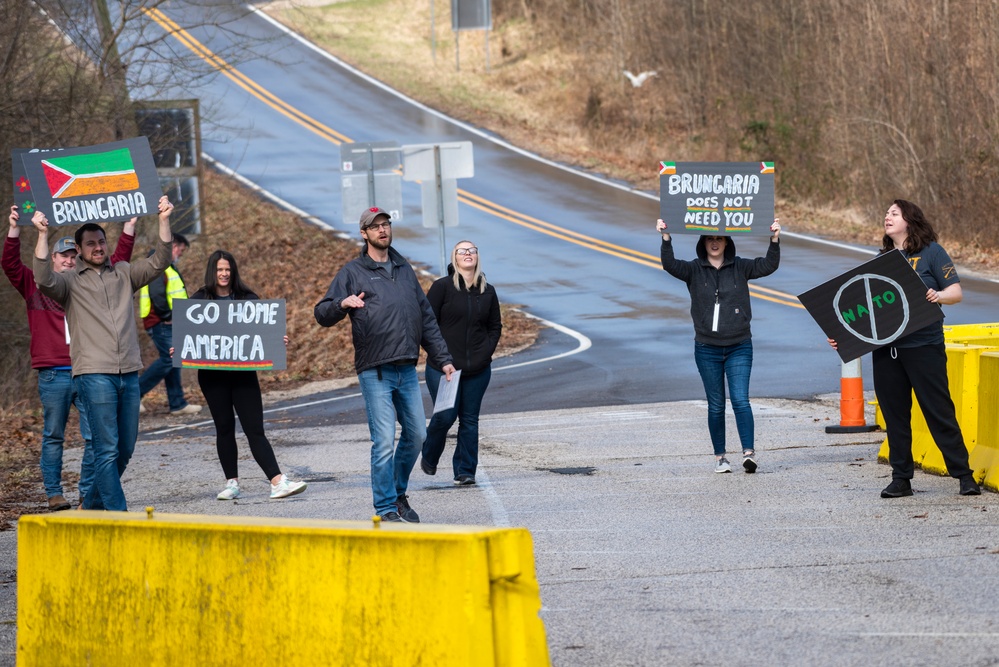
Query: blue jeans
(715, 363)
(55, 389)
(396, 395)
(112, 406)
(162, 368)
(471, 389)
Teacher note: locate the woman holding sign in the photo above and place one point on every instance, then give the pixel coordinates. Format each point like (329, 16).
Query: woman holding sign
(718, 283)
(231, 393)
(917, 363)
(468, 313)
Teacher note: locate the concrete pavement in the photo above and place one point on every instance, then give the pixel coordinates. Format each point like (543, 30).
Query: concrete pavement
(645, 556)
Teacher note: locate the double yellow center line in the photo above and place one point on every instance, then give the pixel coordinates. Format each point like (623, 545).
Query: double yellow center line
(485, 205)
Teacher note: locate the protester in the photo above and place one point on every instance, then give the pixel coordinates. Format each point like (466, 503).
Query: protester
(49, 350)
(156, 311)
(237, 393)
(917, 363)
(468, 313)
(390, 320)
(718, 282)
(104, 344)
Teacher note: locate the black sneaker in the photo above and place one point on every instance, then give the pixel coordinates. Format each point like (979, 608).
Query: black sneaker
(464, 480)
(897, 489)
(392, 517)
(969, 487)
(407, 513)
(427, 468)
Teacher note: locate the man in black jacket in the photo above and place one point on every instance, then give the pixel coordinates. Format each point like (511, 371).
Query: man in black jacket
(390, 320)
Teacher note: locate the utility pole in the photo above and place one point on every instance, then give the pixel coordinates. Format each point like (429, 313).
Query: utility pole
(113, 72)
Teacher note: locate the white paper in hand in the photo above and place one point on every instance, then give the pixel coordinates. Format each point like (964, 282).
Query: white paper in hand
(447, 393)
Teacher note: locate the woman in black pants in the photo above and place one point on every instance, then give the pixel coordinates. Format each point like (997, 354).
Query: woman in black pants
(231, 393)
(917, 363)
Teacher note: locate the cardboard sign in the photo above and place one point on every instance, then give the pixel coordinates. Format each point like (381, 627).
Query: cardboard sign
(717, 198)
(105, 183)
(871, 306)
(226, 335)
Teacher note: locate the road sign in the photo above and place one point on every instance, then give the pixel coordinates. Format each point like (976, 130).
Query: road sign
(370, 177)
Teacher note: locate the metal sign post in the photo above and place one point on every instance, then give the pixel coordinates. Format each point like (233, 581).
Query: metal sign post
(437, 167)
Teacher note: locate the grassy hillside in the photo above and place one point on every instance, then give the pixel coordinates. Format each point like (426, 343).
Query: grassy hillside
(858, 103)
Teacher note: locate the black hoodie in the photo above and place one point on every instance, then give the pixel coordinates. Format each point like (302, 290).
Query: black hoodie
(728, 286)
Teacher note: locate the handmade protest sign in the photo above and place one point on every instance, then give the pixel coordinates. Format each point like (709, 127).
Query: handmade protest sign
(719, 198)
(105, 183)
(871, 305)
(23, 198)
(229, 335)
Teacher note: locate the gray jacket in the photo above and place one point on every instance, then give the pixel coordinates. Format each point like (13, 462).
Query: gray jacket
(728, 286)
(396, 319)
(99, 309)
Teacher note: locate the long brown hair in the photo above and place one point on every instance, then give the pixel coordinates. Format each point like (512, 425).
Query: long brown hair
(920, 232)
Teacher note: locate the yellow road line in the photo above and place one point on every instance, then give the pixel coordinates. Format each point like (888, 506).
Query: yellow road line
(485, 205)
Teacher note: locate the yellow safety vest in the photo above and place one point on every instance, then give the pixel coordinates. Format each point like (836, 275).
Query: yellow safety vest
(174, 290)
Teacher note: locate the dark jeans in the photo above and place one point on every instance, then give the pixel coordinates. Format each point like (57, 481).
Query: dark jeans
(232, 393)
(162, 368)
(471, 389)
(715, 363)
(56, 391)
(900, 371)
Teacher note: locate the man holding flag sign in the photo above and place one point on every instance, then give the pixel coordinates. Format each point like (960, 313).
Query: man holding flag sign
(104, 345)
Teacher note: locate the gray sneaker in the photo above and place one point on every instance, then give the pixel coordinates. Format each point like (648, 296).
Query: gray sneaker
(722, 465)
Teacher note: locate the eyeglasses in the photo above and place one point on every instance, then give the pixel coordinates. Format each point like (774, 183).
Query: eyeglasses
(379, 225)
(467, 251)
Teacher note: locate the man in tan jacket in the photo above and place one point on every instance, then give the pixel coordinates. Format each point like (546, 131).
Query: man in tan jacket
(104, 345)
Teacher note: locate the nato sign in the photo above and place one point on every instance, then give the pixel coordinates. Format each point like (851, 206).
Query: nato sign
(229, 335)
(718, 198)
(104, 183)
(872, 305)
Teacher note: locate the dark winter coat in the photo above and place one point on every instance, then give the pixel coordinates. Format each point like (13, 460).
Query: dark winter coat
(727, 286)
(396, 319)
(469, 320)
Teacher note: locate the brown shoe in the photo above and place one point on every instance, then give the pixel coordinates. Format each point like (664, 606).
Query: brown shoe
(57, 503)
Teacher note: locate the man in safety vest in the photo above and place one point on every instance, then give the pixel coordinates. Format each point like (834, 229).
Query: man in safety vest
(156, 310)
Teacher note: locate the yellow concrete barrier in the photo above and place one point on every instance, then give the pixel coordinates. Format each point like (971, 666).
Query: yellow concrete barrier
(985, 457)
(103, 588)
(963, 379)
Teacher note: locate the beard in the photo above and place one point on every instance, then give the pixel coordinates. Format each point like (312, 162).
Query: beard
(379, 243)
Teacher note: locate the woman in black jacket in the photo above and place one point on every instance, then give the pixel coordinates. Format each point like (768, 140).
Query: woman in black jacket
(718, 283)
(231, 393)
(468, 313)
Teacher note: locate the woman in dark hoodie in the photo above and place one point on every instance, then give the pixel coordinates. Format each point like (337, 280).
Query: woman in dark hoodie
(718, 282)
(468, 313)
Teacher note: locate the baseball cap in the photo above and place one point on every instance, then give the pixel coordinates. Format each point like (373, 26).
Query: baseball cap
(370, 214)
(64, 244)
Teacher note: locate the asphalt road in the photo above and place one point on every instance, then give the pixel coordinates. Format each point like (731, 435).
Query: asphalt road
(570, 247)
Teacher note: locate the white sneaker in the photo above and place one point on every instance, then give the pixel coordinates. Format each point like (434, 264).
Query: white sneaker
(231, 490)
(189, 409)
(142, 407)
(722, 465)
(286, 488)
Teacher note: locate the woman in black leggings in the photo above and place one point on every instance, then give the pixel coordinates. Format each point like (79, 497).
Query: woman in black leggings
(231, 393)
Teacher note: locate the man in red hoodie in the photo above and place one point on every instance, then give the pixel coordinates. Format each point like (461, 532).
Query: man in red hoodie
(49, 350)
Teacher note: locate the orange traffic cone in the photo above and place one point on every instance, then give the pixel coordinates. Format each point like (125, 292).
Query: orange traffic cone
(851, 401)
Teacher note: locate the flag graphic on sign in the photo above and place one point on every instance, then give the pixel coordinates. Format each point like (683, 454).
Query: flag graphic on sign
(667, 168)
(92, 174)
(766, 167)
